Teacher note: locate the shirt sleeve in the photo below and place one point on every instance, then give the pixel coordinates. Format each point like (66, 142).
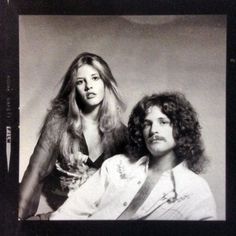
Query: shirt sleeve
(201, 206)
(84, 201)
(205, 209)
(41, 164)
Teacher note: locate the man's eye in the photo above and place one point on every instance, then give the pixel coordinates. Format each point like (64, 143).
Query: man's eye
(164, 122)
(146, 124)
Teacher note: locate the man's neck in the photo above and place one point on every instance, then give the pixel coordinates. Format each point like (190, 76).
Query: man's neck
(163, 163)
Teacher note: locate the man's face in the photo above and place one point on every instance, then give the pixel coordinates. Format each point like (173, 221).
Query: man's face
(158, 132)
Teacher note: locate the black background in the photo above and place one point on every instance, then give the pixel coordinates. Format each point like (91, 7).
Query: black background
(9, 115)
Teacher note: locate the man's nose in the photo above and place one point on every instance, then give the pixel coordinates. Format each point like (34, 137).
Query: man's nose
(154, 128)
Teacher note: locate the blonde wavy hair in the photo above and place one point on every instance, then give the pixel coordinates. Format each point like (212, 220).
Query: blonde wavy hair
(64, 116)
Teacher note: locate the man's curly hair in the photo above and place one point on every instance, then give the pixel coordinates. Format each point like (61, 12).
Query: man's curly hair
(186, 128)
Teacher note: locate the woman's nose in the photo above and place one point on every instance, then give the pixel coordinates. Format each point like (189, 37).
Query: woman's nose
(88, 85)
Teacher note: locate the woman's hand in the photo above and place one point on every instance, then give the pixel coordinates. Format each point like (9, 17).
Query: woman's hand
(78, 158)
(43, 216)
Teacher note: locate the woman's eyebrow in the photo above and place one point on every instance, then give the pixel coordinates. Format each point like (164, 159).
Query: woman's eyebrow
(80, 77)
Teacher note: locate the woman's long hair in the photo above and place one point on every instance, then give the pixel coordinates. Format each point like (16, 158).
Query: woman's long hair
(186, 128)
(64, 117)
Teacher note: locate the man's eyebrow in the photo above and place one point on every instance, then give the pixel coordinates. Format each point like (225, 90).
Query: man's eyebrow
(166, 119)
(158, 118)
(162, 117)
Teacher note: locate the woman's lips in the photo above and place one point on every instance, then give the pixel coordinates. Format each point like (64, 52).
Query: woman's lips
(90, 95)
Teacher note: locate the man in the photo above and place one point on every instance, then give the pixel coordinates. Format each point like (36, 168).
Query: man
(157, 179)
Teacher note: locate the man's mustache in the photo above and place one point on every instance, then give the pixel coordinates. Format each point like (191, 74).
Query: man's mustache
(156, 137)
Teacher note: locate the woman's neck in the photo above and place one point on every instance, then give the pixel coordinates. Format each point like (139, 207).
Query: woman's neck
(90, 116)
(91, 134)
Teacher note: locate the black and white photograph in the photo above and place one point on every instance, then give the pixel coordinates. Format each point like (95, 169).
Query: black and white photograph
(82, 115)
(117, 119)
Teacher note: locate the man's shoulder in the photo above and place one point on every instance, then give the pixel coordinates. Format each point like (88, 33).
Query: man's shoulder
(194, 182)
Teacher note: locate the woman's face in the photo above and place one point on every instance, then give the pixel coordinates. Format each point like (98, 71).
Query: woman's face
(90, 86)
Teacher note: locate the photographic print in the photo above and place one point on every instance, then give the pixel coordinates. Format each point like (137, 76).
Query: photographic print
(98, 94)
(146, 54)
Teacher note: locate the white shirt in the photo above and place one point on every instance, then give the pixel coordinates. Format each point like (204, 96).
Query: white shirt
(180, 194)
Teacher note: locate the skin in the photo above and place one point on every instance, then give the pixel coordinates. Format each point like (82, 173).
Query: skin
(90, 87)
(91, 90)
(158, 136)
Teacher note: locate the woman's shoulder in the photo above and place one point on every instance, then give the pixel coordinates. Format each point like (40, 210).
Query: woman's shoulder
(53, 127)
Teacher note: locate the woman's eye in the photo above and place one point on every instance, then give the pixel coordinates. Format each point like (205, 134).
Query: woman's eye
(79, 82)
(96, 78)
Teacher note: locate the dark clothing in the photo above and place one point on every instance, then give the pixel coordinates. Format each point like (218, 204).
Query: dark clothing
(43, 174)
(56, 185)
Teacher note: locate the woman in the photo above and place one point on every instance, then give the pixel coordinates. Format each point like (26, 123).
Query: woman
(81, 130)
